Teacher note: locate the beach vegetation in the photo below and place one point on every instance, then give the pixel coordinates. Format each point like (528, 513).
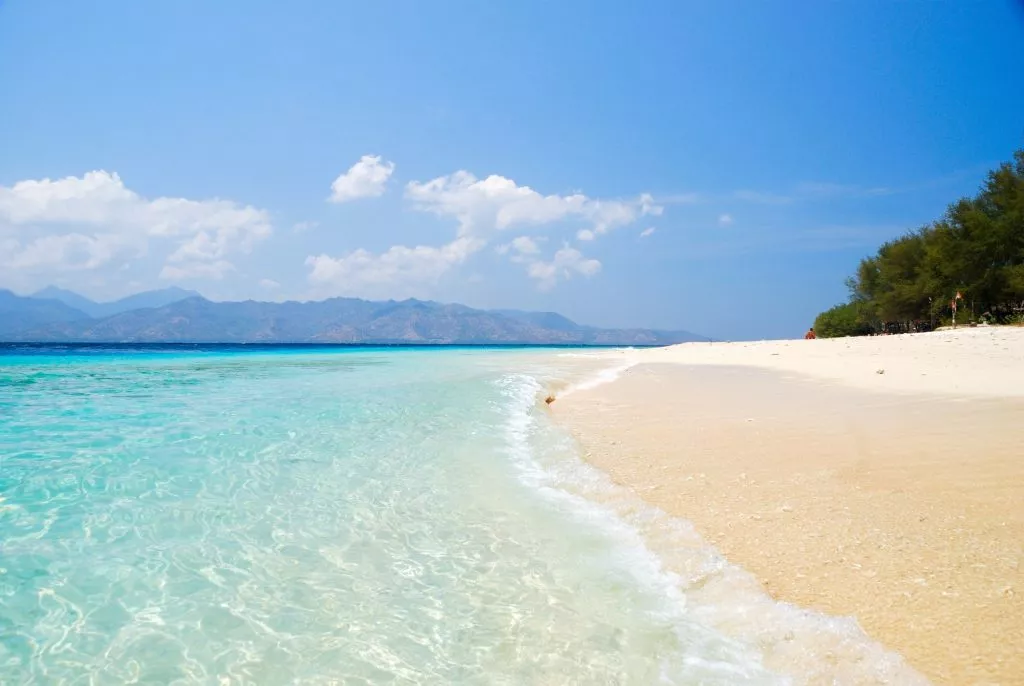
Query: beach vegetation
(972, 256)
(841, 320)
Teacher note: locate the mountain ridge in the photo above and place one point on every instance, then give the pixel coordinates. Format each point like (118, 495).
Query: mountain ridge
(154, 298)
(17, 312)
(335, 320)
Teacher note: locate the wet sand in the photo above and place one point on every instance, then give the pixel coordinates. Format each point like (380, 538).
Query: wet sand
(902, 506)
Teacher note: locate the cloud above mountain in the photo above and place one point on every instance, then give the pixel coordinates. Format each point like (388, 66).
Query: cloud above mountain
(481, 209)
(566, 263)
(95, 226)
(95, 221)
(496, 203)
(398, 272)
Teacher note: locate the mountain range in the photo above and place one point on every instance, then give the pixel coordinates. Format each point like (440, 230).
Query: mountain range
(158, 298)
(177, 315)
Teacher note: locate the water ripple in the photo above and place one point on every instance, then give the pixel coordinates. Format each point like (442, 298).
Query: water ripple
(311, 519)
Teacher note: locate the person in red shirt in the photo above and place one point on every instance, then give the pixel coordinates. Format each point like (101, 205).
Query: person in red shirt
(810, 335)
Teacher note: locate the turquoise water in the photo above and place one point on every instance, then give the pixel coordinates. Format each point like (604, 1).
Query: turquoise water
(310, 517)
(343, 517)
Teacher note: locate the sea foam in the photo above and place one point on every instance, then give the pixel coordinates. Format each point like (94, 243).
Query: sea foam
(667, 555)
(356, 516)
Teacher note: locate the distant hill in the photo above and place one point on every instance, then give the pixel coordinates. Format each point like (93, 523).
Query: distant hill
(18, 313)
(69, 298)
(547, 320)
(157, 298)
(337, 320)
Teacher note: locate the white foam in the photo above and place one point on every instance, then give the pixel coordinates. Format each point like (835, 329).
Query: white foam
(595, 353)
(604, 376)
(642, 564)
(697, 583)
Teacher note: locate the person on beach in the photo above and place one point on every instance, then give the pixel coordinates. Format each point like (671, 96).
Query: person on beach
(810, 335)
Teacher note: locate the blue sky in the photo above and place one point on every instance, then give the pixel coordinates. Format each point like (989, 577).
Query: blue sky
(496, 154)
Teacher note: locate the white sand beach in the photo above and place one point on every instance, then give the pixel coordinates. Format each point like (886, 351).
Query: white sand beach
(983, 361)
(880, 478)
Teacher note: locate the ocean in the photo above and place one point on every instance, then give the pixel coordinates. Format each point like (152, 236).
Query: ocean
(230, 515)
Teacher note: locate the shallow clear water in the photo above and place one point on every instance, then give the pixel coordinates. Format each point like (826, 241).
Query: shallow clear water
(366, 516)
(357, 516)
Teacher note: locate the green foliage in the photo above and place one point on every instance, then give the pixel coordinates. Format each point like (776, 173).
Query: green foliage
(976, 249)
(841, 320)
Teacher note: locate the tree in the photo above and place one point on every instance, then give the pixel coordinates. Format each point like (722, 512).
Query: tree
(976, 248)
(841, 320)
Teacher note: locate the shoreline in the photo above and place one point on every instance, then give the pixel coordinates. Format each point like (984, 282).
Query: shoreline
(893, 498)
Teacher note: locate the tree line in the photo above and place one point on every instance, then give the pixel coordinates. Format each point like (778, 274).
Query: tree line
(975, 251)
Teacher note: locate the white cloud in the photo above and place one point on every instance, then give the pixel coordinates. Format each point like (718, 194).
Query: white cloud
(522, 249)
(524, 245)
(496, 203)
(364, 179)
(647, 232)
(725, 220)
(585, 235)
(566, 262)
(73, 251)
(481, 208)
(398, 271)
(100, 198)
(203, 247)
(647, 205)
(90, 221)
(269, 284)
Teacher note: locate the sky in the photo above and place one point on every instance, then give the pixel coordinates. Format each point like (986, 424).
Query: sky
(714, 167)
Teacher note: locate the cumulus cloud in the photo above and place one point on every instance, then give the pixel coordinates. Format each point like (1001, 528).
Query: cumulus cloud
(100, 198)
(523, 246)
(400, 270)
(566, 262)
(481, 209)
(647, 232)
(366, 178)
(497, 203)
(72, 251)
(90, 221)
(269, 284)
(725, 220)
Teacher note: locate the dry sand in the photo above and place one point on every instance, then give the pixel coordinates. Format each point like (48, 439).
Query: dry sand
(897, 498)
